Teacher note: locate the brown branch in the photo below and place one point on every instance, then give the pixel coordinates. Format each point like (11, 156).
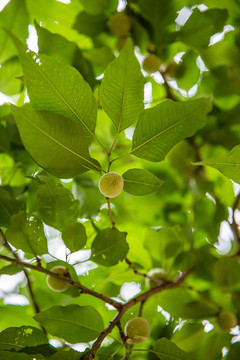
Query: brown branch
(132, 267)
(140, 298)
(67, 279)
(167, 87)
(141, 308)
(121, 333)
(110, 213)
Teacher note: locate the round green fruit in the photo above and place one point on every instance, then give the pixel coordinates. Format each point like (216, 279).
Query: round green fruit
(137, 330)
(226, 320)
(58, 284)
(121, 41)
(172, 70)
(111, 184)
(156, 273)
(119, 24)
(151, 63)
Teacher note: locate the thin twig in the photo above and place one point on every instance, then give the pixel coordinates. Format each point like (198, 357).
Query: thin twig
(110, 213)
(167, 87)
(121, 333)
(141, 308)
(132, 267)
(129, 352)
(29, 284)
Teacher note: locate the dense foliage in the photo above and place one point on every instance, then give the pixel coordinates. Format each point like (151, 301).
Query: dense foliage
(150, 90)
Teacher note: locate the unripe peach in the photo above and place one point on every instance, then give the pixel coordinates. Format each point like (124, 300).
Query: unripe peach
(111, 184)
(58, 284)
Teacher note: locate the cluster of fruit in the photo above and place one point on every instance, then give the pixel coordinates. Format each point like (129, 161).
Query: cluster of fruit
(137, 330)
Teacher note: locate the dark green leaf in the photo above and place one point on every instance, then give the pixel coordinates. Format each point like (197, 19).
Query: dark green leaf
(8, 207)
(74, 236)
(99, 7)
(27, 234)
(56, 205)
(7, 355)
(198, 310)
(234, 351)
(167, 350)
(55, 143)
(226, 271)
(162, 127)
(65, 355)
(122, 89)
(90, 25)
(140, 182)
(109, 247)
(72, 323)
(18, 338)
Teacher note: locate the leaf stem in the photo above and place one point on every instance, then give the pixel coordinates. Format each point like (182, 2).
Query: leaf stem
(110, 213)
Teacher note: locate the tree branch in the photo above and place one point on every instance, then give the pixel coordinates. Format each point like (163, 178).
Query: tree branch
(157, 281)
(67, 279)
(140, 298)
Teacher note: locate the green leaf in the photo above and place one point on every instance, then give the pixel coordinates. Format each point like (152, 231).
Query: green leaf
(122, 89)
(52, 45)
(140, 182)
(228, 164)
(109, 247)
(99, 7)
(234, 351)
(90, 25)
(56, 205)
(8, 207)
(187, 72)
(65, 355)
(201, 26)
(18, 338)
(163, 126)
(27, 234)
(72, 323)
(226, 274)
(55, 143)
(9, 71)
(57, 87)
(13, 17)
(44, 349)
(11, 269)
(74, 236)
(198, 310)
(8, 355)
(167, 350)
